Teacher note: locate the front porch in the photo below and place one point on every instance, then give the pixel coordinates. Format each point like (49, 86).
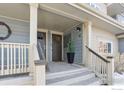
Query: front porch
(24, 56)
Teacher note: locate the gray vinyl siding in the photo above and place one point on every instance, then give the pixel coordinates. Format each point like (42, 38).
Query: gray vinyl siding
(76, 36)
(121, 45)
(20, 31)
(20, 34)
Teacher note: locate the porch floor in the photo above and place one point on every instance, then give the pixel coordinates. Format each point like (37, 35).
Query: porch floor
(61, 66)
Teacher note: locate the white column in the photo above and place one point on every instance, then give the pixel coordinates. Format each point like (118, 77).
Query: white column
(87, 40)
(33, 34)
(89, 30)
(33, 23)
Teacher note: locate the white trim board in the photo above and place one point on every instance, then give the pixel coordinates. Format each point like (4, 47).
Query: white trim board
(100, 16)
(12, 18)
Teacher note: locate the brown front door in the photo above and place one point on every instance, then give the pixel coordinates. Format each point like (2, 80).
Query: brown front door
(56, 47)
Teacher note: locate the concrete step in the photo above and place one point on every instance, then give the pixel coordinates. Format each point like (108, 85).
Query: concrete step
(21, 80)
(73, 77)
(89, 81)
(65, 73)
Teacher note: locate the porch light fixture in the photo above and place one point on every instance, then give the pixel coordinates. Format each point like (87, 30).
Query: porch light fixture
(78, 29)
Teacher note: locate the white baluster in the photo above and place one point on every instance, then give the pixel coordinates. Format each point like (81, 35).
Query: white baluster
(8, 65)
(11, 47)
(2, 59)
(22, 57)
(14, 56)
(19, 62)
(25, 58)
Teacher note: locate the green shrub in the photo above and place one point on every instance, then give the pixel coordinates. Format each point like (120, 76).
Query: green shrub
(70, 47)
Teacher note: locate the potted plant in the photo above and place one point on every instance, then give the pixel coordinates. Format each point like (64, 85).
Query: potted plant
(70, 51)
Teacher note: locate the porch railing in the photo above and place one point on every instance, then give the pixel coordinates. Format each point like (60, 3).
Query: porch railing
(119, 63)
(14, 58)
(101, 66)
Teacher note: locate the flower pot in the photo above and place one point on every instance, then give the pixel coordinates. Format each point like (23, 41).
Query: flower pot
(70, 57)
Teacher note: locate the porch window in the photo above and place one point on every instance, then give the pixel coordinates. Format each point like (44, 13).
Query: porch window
(105, 47)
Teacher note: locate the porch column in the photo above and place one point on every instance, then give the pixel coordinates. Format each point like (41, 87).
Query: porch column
(33, 23)
(33, 34)
(87, 40)
(89, 35)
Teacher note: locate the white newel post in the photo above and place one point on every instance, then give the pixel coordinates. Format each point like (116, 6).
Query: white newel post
(39, 72)
(87, 38)
(110, 70)
(33, 34)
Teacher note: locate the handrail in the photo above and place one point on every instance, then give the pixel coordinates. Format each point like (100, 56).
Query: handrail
(9, 43)
(105, 60)
(100, 66)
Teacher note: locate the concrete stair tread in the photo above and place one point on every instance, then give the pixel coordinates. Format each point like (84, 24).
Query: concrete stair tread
(69, 76)
(82, 76)
(65, 73)
(90, 81)
(73, 80)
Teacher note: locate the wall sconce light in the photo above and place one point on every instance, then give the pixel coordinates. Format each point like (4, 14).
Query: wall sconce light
(78, 29)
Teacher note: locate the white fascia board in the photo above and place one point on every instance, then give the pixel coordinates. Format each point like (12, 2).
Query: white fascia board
(120, 36)
(99, 15)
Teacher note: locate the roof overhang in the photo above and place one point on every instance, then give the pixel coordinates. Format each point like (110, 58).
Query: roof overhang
(77, 12)
(121, 35)
(46, 20)
(82, 13)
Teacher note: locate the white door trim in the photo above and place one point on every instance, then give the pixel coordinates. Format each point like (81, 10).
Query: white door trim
(58, 33)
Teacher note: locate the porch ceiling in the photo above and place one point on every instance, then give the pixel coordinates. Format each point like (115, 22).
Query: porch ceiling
(52, 21)
(59, 16)
(46, 20)
(84, 13)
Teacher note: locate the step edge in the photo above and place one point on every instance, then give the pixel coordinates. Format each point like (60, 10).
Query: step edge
(65, 72)
(72, 79)
(95, 79)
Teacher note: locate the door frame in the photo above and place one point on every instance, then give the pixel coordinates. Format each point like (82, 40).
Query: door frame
(58, 33)
(46, 32)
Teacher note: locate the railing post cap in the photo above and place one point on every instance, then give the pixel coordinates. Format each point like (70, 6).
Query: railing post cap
(40, 62)
(110, 57)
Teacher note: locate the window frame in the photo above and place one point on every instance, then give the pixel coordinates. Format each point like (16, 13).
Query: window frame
(105, 42)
